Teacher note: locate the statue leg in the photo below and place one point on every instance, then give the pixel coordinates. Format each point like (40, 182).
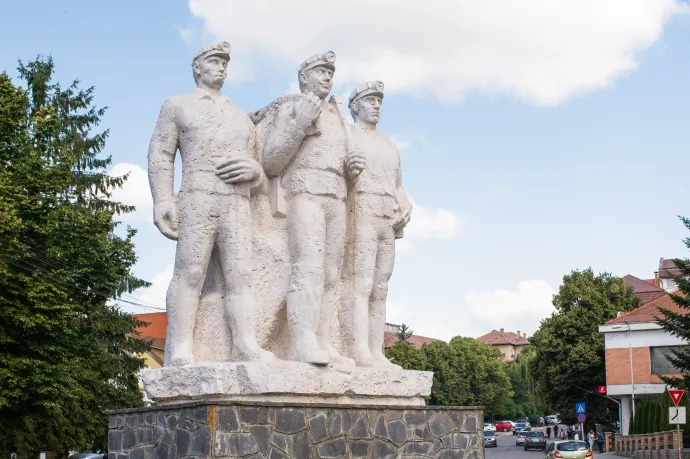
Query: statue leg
(336, 231)
(385, 258)
(194, 246)
(306, 226)
(235, 244)
(365, 244)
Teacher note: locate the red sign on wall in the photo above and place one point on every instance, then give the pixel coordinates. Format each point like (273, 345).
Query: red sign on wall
(601, 390)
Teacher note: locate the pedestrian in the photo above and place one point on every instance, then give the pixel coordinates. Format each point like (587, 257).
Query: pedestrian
(555, 431)
(600, 441)
(590, 439)
(576, 435)
(548, 432)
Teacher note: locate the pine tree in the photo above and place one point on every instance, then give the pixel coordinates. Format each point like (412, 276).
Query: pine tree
(404, 333)
(656, 423)
(66, 353)
(666, 402)
(678, 323)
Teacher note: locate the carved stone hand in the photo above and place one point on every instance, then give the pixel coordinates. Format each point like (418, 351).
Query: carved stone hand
(166, 218)
(307, 111)
(236, 170)
(355, 163)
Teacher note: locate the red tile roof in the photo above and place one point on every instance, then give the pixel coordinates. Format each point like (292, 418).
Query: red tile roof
(496, 337)
(156, 328)
(650, 311)
(390, 339)
(667, 269)
(643, 289)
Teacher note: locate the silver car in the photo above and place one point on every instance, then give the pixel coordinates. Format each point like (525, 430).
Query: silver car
(490, 439)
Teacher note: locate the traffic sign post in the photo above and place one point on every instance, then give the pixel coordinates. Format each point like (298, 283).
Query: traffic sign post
(581, 410)
(676, 415)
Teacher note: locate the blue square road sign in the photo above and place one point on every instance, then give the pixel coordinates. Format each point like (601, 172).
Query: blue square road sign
(580, 408)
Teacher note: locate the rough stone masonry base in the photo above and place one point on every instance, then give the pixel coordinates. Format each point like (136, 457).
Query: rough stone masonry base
(293, 431)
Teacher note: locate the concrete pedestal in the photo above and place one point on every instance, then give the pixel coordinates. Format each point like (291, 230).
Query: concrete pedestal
(295, 431)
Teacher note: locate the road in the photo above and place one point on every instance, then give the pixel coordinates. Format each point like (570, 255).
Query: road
(506, 449)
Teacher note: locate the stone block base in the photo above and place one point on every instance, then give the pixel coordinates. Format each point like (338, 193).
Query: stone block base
(295, 431)
(290, 382)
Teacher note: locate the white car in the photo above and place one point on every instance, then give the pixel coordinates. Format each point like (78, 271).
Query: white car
(520, 439)
(489, 427)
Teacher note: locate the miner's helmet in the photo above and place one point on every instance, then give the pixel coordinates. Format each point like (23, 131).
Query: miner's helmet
(326, 59)
(219, 49)
(370, 88)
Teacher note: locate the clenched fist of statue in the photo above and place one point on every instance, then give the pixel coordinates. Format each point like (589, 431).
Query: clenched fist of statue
(307, 111)
(404, 217)
(236, 170)
(166, 218)
(355, 163)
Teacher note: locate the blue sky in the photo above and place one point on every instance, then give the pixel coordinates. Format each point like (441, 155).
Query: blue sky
(537, 137)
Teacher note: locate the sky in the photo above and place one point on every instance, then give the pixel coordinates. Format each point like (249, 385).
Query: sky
(537, 136)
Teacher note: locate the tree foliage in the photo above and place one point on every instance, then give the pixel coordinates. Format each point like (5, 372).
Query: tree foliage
(568, 348)
(466, 372)
(527, 400)
(404, 332)
(66, 354)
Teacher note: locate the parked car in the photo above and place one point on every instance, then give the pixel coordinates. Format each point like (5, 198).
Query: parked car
(489, 427)
(568, 449)
(537, 421)
(535, 440)
(490, 439)
(86, 455)
(520, 438)
(522, 420)
(522, 426)
(552, 420)
(503, 426)
(512, 424)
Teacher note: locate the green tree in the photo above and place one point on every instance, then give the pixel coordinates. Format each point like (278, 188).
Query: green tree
(404, 333)
(527, 399)
(66, 353)
(407, 356)
(678, 323)
(569, 350)
(466, 372)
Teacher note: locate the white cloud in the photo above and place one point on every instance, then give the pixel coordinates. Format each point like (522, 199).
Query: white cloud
(398, 313)
(400, 142)
(429, 223)
(155, 294)
(542, 51)
(134, 192)
(521, 309)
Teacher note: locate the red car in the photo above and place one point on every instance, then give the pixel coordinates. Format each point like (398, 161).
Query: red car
(503, 426)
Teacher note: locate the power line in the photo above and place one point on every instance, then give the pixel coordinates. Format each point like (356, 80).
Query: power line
(88, 291)
(71, 270)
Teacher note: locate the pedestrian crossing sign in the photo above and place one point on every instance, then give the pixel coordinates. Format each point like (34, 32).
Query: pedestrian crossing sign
(580, 408)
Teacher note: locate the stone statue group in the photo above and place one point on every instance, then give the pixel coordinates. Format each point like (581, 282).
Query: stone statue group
(285, 220)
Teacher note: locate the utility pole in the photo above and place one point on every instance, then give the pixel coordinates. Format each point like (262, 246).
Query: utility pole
(632, 378)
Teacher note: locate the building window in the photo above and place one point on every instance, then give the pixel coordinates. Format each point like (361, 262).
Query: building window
(660, 363)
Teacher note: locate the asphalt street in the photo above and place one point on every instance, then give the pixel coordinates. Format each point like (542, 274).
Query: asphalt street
(507, 449)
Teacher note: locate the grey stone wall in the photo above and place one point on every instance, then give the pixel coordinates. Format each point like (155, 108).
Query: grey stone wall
(258, 431)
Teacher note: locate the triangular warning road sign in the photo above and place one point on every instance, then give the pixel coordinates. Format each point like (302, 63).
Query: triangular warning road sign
(676, 395)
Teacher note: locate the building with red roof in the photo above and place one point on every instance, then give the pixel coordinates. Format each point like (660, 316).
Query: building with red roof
(636, 348)
(510, 344)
